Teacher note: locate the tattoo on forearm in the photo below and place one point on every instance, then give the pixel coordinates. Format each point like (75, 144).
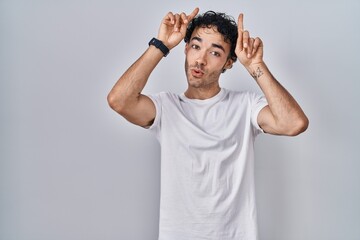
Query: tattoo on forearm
(256, 74)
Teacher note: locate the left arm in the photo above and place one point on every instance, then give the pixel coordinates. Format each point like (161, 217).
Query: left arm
(283, 115)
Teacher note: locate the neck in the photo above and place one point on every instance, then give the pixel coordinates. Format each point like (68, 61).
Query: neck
(201, 93)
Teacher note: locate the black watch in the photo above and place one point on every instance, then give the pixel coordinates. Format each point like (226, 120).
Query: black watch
(160, 45)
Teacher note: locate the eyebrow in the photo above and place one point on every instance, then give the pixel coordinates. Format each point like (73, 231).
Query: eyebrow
(213, 44)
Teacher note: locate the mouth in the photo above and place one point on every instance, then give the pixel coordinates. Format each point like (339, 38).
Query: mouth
(197, 72)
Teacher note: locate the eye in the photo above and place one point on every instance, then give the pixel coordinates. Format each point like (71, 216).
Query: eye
(194, 46)
(216, 54)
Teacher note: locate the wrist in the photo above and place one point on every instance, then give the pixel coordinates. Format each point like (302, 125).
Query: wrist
(159, 45)
(257, 70)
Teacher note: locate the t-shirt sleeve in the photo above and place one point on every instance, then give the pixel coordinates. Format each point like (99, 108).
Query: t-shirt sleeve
(155, 126)
(259, 102)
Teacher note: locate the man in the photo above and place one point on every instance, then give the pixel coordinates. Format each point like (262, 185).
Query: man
(207, 133)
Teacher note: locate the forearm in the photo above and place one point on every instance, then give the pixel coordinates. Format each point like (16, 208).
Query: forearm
(130, 85)
(287, 114)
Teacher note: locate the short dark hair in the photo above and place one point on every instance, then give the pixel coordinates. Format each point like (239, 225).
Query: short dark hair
(224, 24)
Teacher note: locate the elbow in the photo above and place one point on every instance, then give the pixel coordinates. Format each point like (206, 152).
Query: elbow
(115, 103)
(111, 100)
(299, 126)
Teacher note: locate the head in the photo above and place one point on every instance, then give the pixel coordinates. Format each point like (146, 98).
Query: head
(210, 48)
(224, 24)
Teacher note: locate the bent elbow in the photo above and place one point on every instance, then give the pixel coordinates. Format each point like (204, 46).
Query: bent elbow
(115, 103)
(111, 100)
(299, 127)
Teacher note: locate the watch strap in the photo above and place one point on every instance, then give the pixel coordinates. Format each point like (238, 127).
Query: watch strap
(160, 45)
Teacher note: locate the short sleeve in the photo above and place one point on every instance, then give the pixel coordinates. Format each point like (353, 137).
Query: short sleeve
(259, 102)
(155, 126)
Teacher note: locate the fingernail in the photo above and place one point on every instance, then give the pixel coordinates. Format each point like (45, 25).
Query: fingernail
(249, 55)
(245, 45)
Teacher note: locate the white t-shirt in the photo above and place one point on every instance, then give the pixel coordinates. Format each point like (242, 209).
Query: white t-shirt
(207, 165)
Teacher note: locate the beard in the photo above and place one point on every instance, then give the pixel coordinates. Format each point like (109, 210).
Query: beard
(203, 78)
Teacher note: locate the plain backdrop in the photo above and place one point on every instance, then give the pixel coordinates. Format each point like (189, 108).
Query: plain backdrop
(73, 169)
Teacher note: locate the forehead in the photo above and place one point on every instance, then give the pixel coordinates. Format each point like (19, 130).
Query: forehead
(209, 34)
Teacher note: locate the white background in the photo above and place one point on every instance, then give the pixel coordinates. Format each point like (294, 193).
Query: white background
(73, 169)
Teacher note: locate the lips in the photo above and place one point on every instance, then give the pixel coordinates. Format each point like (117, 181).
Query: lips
(197, 72)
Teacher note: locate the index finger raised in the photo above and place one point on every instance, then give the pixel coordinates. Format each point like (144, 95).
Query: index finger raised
(241, 22)
(193, 14)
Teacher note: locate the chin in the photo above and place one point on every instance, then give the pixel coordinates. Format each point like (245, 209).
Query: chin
(196, 83)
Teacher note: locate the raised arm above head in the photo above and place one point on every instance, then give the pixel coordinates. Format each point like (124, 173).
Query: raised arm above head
(283, 115)
(125, 97)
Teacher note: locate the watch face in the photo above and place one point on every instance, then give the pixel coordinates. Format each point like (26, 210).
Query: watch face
(157, 43)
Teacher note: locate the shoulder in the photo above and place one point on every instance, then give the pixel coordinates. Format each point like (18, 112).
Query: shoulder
(164, 97)
(242, 95)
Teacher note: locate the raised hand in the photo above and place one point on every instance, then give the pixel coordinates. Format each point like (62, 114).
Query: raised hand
(248, 50)
(173, 27)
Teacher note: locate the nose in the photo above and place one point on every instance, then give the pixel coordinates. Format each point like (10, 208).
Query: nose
(201, 58)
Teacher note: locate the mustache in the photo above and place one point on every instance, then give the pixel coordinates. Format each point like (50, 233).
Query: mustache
(197, 67)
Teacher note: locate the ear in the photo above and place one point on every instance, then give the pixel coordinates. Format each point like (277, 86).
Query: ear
(228, 64)
(186, 48)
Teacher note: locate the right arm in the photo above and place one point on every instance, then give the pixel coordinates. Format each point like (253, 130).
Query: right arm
(125, 97)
